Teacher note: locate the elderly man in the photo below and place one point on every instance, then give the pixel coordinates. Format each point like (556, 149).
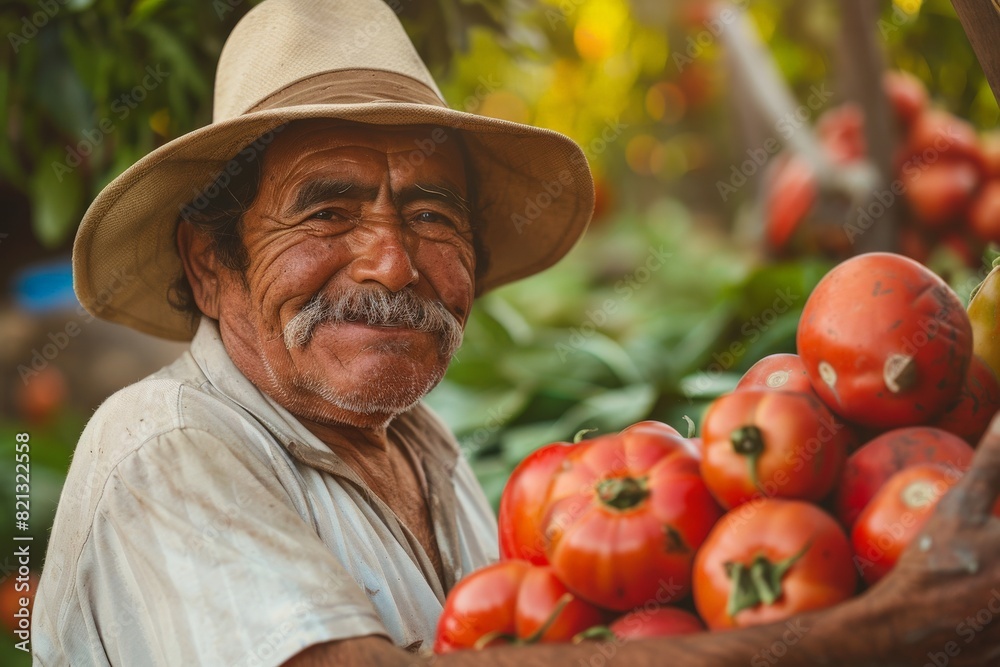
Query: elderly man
(279, 495)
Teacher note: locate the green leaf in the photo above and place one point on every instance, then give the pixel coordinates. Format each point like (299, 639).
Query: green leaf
(56, 199)
(519, 441)
(610, 410)
(708, 384)
(143, 9)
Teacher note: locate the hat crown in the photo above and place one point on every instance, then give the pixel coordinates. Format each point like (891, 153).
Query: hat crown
(280, 42)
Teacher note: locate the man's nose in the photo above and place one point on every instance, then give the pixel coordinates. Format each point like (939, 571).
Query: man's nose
(382, 255)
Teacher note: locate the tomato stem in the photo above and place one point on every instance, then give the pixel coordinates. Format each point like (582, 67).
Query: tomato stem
(622, 493)
(899, 372)
(758, 583)
(599, 632)
(691, 427)
(537, 635)
(582, 432)
(493, 636)
(748, 441)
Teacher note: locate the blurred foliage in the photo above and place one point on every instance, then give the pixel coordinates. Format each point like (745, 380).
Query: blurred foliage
(657, 311)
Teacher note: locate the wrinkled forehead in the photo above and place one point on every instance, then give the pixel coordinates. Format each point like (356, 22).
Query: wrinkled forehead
(307, 141)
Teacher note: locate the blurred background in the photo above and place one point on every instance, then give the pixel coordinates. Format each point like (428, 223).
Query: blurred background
(739, 150)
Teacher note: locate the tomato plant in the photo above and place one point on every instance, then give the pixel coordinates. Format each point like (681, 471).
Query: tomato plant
(624, 516)
(511, 601)
(869, 468)
(784, 444)
(784, 558)
(885, 341)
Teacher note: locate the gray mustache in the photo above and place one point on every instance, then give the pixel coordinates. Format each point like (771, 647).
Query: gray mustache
(375, 307)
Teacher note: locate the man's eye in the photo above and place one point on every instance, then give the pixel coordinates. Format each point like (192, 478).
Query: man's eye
(326, 214)
(430, 216)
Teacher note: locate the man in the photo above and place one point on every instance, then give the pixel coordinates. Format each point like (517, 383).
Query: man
(279, 495)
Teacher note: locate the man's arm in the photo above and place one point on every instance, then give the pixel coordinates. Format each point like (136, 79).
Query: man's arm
(805, 641)
(939, 605)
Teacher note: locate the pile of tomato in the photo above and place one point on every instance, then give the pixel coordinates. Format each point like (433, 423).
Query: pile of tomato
(806, 484)
(947, 182)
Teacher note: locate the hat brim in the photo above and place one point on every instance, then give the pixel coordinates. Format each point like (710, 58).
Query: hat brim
(535, 198)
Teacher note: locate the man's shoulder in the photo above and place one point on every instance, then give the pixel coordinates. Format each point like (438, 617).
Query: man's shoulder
(174, 400)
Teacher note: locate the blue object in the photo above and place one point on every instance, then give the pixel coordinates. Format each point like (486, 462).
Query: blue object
(46, 287)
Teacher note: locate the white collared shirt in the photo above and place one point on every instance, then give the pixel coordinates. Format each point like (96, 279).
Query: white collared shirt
(202, 524)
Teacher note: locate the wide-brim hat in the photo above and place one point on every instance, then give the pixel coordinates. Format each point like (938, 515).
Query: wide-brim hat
(290, 60)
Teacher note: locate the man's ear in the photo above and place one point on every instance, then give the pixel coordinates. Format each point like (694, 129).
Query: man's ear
(200, 266)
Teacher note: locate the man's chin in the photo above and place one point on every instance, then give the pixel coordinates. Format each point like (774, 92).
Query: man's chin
(375, 394)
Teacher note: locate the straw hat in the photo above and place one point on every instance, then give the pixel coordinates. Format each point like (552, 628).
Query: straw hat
(347, 59)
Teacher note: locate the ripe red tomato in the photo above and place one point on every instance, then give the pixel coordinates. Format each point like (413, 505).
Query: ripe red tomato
(521, 504)
(510, 602)
(841, 130)
(519, 519)
(907, 374)
(989, 142)
(978, 401)
(790, 196)
(13, 589)
(940, 192)
(783, 372)
(656, 622)
(772, 443)
(771, 560)
(625, 515)
(896, 515)
(984, 213)
(869, 468)
(915, 243)
(937, 135)
(906, 94)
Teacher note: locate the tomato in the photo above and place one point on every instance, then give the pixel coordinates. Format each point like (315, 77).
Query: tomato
(936, 135)
(984, 213)
(915, 243)
(906, 94)
(13, 589)
(989, 142)
(940, 192)
(41, 397)
(791, 193)
(841, 131)
(984, 314)
(886, 342)
(978, 401)
(896, 515)
(770, 443)
(784, 372)
(519, 519)
(511, 601)
(767, 561)
(656, 622)
(869, 468)
(624, 516)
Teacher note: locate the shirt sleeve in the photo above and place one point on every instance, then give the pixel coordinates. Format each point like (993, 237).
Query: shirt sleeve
(197, 556)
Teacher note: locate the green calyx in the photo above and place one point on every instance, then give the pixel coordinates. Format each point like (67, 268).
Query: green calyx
(748, 441)
(758, 583)
(622, 493)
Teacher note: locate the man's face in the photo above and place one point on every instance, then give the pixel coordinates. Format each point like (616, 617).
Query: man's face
(361, 270)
